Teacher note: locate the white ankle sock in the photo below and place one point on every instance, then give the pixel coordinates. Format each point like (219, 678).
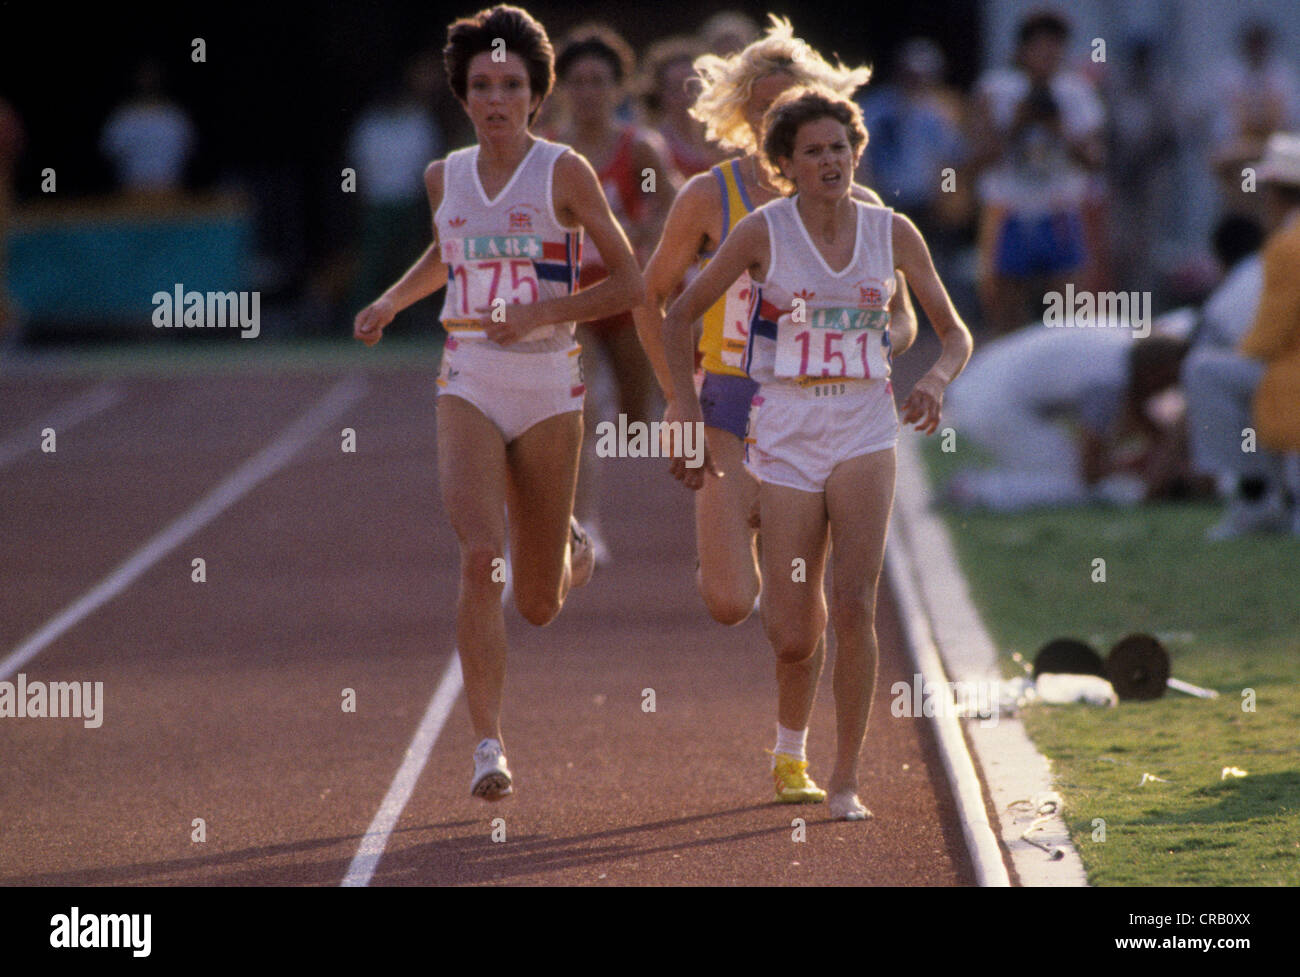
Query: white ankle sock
(792, 742)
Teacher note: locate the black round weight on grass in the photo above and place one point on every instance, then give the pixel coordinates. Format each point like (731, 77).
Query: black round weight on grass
(1138, 667)
(1068, 656)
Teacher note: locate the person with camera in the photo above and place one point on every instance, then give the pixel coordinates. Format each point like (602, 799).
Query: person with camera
(1038, 134)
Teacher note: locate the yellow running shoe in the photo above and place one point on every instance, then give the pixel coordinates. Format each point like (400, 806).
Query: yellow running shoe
(793, 785)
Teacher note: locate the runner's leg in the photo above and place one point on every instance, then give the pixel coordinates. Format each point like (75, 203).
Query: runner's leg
(728, 576)
(794, 606)
(472, 478)
(543, 470)
(859, 496)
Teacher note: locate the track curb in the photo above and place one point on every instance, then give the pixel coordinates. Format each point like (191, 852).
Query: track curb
(948, 642)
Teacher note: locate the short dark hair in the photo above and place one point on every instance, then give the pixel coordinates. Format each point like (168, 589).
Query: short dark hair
(598, 41)
(1155, 363)
(798, 106)
(521, 33)
(1043, 22)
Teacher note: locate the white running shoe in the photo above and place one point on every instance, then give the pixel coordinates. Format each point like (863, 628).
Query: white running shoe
(491, 775)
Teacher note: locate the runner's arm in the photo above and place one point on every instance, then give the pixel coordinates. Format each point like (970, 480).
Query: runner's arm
(580, 201)
(924, 404)
(685, 231)
(426, 276)
(746, 249)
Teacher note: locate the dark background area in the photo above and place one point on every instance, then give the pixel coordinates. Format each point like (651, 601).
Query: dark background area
(283, 82)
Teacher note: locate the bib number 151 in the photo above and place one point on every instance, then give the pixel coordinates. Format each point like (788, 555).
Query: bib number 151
(803, 350)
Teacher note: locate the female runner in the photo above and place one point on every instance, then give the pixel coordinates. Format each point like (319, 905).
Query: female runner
(736, 92)
(823, 426)
(593, 68)
(509, 214)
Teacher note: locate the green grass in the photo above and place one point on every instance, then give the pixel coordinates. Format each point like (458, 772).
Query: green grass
(1229, 614)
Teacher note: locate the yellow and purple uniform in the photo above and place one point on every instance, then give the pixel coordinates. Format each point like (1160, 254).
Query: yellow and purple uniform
(727, 390)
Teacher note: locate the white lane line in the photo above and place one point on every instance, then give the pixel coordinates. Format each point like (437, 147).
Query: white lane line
(372, 845)
(371, 849)
(244, 479)
(62, 418)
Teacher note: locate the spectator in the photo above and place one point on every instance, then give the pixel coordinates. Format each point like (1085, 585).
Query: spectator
(1257, 386)
(729, 31)
(1142, 150)
(1249, 99)
(149, 138)
(1038, 130)
(915, 126)
(1229, 311)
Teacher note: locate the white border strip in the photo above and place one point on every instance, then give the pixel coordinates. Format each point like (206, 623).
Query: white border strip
(1013, 769)
(243, 480)
(62, 418)
(981, 841)
(375, 840)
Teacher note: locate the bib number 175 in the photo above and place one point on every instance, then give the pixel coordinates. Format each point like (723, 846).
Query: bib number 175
(514, 280)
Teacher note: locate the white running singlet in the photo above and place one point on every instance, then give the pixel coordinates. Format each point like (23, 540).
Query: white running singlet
(511, 248)
(813, 323)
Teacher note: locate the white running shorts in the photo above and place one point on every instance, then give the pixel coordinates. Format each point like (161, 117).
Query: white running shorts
(798, 434)
(513, 390)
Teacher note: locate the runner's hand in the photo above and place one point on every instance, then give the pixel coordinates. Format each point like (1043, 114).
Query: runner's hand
(692, 478)
(924, 405)
(518, 322)
(369, 324)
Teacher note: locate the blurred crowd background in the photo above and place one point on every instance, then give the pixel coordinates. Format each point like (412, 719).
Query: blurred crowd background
(253, 139)
(1103, 143)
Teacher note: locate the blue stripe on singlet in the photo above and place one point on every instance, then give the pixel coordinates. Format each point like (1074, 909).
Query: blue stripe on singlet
(740, 185)
(553, 271)
(766, 328)
(759, 328)
(726, 203)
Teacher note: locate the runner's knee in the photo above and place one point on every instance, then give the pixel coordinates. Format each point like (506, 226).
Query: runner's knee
(537, 607)
(482, 567)
(852, 613)
(728, 605)
(794, 641)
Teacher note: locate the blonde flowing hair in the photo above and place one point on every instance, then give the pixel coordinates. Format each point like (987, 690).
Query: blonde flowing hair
(729, 82)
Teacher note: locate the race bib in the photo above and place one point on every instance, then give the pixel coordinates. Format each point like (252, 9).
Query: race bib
(838, 343)
(488, 268)
(738, 309)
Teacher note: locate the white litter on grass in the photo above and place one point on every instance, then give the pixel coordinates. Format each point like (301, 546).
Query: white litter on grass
(1148, 777)
(1232, 772)
(1044, 808)
(1062, 689)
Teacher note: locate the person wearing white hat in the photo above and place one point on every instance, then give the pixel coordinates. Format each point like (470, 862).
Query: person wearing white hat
(1244, 405)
